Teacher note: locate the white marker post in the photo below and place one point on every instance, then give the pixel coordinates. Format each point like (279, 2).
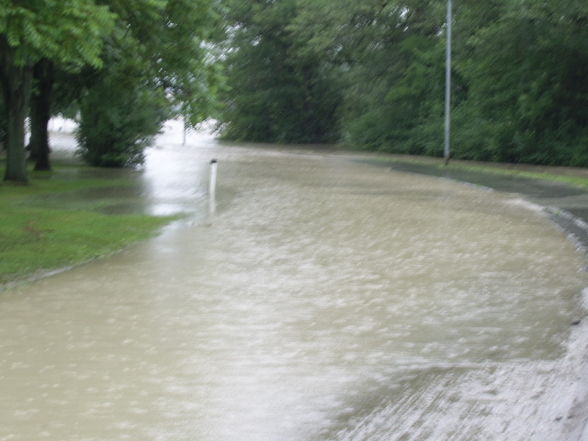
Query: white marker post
(212, 186)
(184, 129)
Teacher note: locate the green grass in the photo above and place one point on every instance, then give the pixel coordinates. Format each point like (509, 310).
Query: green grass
(571, 180)
(50, 224)
(498, 169)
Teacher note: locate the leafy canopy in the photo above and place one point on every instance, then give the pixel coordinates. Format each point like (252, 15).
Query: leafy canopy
(66, 31)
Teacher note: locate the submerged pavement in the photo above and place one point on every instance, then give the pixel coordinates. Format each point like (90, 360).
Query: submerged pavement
(325, 300)
(566, 205)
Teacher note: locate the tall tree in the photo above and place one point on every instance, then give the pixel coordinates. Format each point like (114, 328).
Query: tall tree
(68, 31)
(157, 65)
(16, 83)
(520, 67)
(279, 90)
(526, 70)
(120, 111)
(390, 56)
(40, 113)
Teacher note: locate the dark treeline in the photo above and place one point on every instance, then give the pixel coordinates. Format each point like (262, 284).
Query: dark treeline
(370, 74)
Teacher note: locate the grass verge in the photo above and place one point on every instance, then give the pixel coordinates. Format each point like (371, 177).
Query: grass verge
(496, 168)
(52, 223)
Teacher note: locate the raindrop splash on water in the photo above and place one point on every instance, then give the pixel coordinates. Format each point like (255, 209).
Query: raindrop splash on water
(330, 300)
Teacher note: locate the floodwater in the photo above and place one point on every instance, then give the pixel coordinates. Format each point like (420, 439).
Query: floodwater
(324, 300)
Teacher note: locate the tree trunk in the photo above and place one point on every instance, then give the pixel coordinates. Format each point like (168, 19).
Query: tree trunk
(16, 86)
(41, 113)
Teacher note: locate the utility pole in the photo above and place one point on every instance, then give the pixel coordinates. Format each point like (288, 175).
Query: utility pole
(447, 151)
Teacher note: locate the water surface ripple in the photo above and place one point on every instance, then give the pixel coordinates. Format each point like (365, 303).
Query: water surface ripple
(325, 300)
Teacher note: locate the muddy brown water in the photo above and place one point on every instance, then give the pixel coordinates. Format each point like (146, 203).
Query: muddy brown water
(324, 300)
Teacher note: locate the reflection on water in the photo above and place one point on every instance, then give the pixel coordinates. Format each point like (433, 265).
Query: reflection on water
(325, 300)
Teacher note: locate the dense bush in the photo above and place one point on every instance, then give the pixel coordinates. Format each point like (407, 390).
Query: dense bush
(277, 91)
(118, 119)
(375, 72)
(117, 125)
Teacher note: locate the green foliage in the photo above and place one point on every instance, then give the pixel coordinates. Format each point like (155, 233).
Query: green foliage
(369, 73)
(114, 133)
(155, 67)
(401, 113)
(118, 115)
(278, 90)
(527, 88)
(519, 75)
(519, 89)
(155, 64)
(66, 31)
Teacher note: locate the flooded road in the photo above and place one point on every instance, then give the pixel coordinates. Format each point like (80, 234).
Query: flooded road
(325, 300)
